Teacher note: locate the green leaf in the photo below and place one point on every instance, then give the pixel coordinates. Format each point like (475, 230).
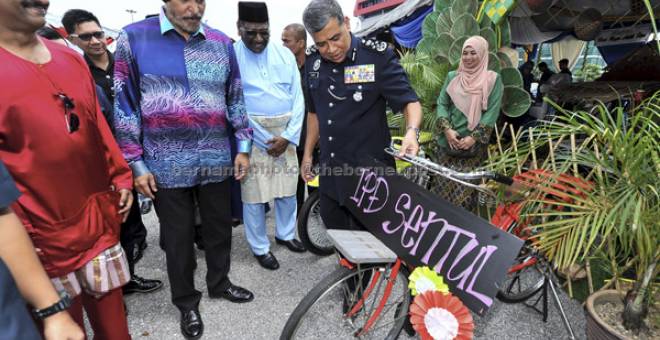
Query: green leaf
(506, 32)
(493, 62)
(491, 37)
(443, 45)
(441, 60)
(485, 22)
(443, 22)
(428, 27)
(515, 101)
(456, 50)
(511, 77)
(426, 45)
(441, 5)
(461, 7)
(465, 25)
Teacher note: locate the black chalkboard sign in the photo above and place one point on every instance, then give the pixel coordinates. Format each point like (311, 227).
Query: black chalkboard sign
(426, 230)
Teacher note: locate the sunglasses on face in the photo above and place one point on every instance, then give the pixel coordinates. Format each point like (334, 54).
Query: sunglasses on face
(88, 36)
(71, 119)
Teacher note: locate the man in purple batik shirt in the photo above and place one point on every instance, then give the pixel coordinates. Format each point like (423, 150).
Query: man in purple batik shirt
(178, 94)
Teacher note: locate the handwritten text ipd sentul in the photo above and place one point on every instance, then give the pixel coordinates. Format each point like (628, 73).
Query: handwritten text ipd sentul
(420, 232)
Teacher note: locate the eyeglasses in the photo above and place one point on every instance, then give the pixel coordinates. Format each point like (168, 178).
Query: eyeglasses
(253, 33)
(71, 119)
(88, 36)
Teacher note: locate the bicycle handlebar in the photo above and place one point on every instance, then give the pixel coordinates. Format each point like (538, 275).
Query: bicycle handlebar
(451, 174)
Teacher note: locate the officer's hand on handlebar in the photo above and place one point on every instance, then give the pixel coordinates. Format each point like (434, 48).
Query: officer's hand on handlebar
(409, 145)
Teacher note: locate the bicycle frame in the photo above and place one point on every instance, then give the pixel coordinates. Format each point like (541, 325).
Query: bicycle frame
(381, 304)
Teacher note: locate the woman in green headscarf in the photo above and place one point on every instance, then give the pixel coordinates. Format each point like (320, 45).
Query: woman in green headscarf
(468, 108)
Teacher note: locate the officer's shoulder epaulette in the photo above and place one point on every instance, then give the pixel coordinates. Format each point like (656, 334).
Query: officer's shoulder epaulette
(375, 45)
(311, 50)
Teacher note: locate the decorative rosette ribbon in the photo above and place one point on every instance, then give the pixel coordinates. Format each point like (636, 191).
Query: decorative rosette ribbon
(424, 279)
(438, 316)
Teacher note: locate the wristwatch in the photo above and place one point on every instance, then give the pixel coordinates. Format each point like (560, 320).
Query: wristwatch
(416, 131)
(59, 306)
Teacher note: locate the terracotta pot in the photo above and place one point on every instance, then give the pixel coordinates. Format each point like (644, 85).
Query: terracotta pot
(597, 329)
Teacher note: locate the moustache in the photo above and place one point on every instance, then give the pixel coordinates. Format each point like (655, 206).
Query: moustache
(194, 17)
(34, 3)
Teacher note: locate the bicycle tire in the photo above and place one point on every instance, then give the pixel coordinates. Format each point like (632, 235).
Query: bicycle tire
(321, 244)
(329, 282)
(529, 273)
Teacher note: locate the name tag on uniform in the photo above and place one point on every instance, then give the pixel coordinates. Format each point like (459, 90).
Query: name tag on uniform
(360, 74)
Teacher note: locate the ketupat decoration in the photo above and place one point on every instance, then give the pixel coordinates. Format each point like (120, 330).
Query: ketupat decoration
(423, 279)
(497, 10)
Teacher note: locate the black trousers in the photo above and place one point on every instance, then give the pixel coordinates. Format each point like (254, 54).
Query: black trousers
(176, 210)
(133, 234)
(336, 216)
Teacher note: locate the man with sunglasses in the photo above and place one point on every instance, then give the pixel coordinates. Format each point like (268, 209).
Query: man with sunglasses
(75, 184)
(178, 95)
(84, 30)
(275, 106)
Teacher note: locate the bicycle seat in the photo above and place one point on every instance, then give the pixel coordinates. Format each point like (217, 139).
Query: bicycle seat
(361, 246)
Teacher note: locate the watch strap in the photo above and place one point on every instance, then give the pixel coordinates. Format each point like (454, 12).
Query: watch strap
(59, 306)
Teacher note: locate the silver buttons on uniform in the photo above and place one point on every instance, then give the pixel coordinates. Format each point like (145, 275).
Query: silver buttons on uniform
(331, 104)
(332, 87)
(334, 70)
(332, 154)
(330, 138)
(329, 122)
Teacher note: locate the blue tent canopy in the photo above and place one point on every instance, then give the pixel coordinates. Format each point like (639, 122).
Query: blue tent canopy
(408, 32)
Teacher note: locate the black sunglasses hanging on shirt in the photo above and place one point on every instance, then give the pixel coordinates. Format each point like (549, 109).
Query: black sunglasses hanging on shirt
(71, 119)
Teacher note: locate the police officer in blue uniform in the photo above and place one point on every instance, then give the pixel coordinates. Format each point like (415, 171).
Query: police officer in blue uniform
(350, 81)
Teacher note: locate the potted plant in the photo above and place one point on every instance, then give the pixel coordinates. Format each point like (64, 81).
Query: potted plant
(617, 218)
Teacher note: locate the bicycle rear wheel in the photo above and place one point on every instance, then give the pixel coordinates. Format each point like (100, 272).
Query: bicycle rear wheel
(311, 229)
(524, 279)
(324, 311)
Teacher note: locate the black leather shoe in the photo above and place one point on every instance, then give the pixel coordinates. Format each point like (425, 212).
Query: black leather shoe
(293, 245)
(140, 285)
(235, 294)
(192, 326)
(268, 261)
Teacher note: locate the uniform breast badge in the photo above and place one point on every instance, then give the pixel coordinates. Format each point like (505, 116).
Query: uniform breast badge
(360, 74)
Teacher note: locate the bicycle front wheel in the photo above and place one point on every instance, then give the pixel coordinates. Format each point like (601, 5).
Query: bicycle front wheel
(524, 279)
(311, 229)
(344, 303)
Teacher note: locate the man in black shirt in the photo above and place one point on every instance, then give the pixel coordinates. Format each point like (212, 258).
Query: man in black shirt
(85, 31)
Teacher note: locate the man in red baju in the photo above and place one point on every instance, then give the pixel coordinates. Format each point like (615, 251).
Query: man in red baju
(76, 186)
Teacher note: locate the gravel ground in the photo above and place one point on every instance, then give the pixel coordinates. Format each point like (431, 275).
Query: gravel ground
(152, 316)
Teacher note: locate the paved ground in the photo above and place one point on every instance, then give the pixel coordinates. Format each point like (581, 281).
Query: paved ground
(152, 316)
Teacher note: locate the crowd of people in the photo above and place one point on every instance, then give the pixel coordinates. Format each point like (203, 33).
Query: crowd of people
(210, 129)
(545, 75)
